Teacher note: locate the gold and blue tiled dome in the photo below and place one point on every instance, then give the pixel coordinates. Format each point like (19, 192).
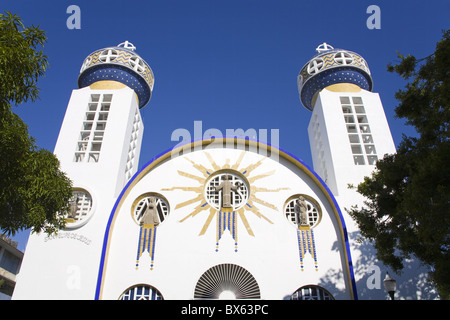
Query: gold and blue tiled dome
(119, 64)
(331, 67)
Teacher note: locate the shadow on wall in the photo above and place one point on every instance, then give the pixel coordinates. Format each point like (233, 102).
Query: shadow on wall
(412, 282)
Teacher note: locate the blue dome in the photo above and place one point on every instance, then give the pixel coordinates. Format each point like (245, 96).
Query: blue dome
(331, 66)
(119, 64)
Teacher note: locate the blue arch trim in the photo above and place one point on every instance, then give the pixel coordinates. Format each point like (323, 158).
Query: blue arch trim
(159, 156)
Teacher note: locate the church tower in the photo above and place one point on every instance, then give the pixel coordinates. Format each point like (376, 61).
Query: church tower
(348, 130)
(100, 138)
(348, 133)
(98, 147)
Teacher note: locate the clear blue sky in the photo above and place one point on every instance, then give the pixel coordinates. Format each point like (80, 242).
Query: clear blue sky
(230, 64)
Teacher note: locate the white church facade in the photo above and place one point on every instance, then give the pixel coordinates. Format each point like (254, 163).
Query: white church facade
(217, 218)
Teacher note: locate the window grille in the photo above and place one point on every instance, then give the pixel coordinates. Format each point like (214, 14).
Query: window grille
(359, 134)
(238, 198)
(80, 208)
(141, 292)
(161, 206)
(93, 128)
(313, 211)
(311, 293)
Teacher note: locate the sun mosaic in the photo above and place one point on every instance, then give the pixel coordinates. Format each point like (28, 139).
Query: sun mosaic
(227, 194)
(225, 197)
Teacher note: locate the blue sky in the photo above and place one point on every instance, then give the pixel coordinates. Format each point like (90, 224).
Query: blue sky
(230, 64)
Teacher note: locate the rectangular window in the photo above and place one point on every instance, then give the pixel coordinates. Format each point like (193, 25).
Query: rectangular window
(87, 126)
(354, 138)
(103, 116)
(92, 131)
(9, 262)
(364, 128)
(356, 149)
(96, 146)
(98, 135)
(359, 160)
(349, 119)
(90, 116)
(362, 119)
(367, 138)
(345, 100)
(351, 129)
(357, 100)
(346, 109)
(360, 109)
(372, 160)
(82, 146)
(370, 149)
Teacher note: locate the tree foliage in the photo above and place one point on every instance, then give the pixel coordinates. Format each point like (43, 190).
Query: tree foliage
(407, 208)
(22, 60)
(32, 188)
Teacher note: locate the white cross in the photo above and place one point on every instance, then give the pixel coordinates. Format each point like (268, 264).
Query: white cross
(315, 66)
(127, 45)
(137, 64)
(324, 47)
(343, 58)
(108, 55)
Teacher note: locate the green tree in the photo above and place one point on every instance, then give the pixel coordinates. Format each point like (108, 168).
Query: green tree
(407, 208)
(32, 187)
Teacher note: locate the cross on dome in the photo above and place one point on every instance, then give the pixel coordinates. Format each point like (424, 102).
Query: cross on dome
(127, 45)
(324, 47)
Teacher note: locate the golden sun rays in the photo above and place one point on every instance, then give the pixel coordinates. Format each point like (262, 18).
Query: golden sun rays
(241, 201)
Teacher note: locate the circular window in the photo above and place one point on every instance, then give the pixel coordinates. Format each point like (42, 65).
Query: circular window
(137, 64)
(227, 281)
(311, 293)
(301, 209)
(80, 208)
(343, 58)
(150, 208)
(108, 55)
(141, 292)
(315, 66)
(226, 190)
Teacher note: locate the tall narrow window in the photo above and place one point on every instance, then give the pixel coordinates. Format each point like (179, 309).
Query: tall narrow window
(93, 128)
(358, 129)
